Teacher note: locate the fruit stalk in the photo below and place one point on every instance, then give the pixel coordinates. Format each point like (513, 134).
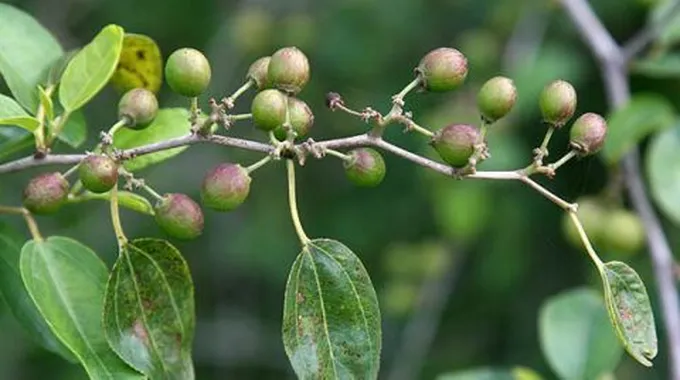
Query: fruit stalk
(292, 201)
(28, 217)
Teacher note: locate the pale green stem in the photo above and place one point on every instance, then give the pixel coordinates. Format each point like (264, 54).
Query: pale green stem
(546, 140)
(115, 218)
(193, 108)
(421, 130)
(337, 154)
(304, 240)
(59, 127)
(258, 164)
(586, 242)
(242, 116)
(28, 217)
(571, 154)
(409, 87)
(232, 98)
(71, 170)
(152, 192)
(546, 193)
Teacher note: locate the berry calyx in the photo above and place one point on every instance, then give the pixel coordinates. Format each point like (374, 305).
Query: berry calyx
(442, 69)
(557, 103)
(301, 119)
(496, 98)
(588, 133)
(46, 193)
(98, 173)
(225, 187)
(365, 167)
(257, 72)
(138, 107)
(455, 143)
(179, 216)
(269, 109)
(622, 232)
(188, 72)
(288, 70)
(592, 215)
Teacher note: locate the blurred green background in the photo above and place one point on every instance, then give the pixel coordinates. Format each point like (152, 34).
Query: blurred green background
(468, 263)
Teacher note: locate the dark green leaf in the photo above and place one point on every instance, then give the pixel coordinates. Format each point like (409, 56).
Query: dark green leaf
(630, 311)
(643, 115)
(663, 172)
(91, 68)
(576, 336)
(27, 51)
(169, 123)
(17, 298)
(666, 66)
(331, 319)
(11, 113)
(66, 280)
(14, 140)
(75, 131)
(149, 310)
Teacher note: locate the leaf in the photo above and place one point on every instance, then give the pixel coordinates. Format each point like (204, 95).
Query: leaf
(18, 299)
(149, 310)
(126, 199)
(630, 311)
(665, 66)
(57, 69)
(75, 131)
(14, 140)
(663, 172)
(643, 115)
(11, 113)
(331, 319)
(169, 123)
(670, 30)
(518, 373)
(140, 65)
(91, 68)
(46, 102)
(66, 280)
(576, 337)
(27, 51)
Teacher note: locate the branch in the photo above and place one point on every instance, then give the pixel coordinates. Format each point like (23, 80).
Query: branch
(618, 94)
(638, 42)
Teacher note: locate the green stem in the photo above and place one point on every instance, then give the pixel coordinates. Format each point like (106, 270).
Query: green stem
(242, 116)
(304, 240)
(586, 242)
(152, 192)
(193, 108)
(421, 130)
(258, 164)
(337, 154)
(115, 218)
(546, 193)
(232, 98)
(409, 87)
(571, 154)
(28, 217)
(59, 127)
(71, 170)
(543, 149)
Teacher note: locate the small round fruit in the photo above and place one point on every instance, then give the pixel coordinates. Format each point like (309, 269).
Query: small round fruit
(496, 98)
(288, 70)
(442, 69)
(257, 72)
(591, 214)
(46, 193)
(225, 187)
(179, 216)
(138, 107)
(558, 103)
(456, 143)
(588, 133)
(98, 173)
(365, 168)
(188, 72)
(269, 109)
(301, 118)
(623, 232)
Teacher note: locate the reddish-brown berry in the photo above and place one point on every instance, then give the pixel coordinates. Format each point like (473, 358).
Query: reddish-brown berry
(442, 69)
(98, 173)
(225, 187)
(179, 216)
(46, 193)
(588, 133)
(456, 143)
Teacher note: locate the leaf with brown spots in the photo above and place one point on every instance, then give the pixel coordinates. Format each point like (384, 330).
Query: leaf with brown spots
(331, 319)
(149, 309)
(140, 64)
(630, 311)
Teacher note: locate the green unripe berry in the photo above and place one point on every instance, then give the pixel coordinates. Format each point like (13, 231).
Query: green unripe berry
(365, 167)
(288, 70)
(301, 119)
(179, 216)
(225, 187)
(623, 232)
(98, 173)
(588, 133)
(558, 103)
(46, 193)
(269, 109)
(257, 72)
(188, 72)
(592, 216)
(496, 98)
(138, 107)
(442, 69)
(456, 143)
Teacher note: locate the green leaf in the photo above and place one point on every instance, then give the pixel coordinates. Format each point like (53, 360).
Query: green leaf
(149, 309)
(643, 115)
(663, 172)
(670, 31)
(14, 140)
(331, 319)
(11, 113)
(518, 373)
(576, 337)
(169, 123)
(126, 199)
(27, 51)
(665, 66)
(75, 131)
(46, 102)
(17, 298)
(91, 68)
(630, 311)
(66, 280)
(57, 69)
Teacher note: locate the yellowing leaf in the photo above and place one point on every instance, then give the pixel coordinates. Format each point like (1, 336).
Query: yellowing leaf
(140, 65)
